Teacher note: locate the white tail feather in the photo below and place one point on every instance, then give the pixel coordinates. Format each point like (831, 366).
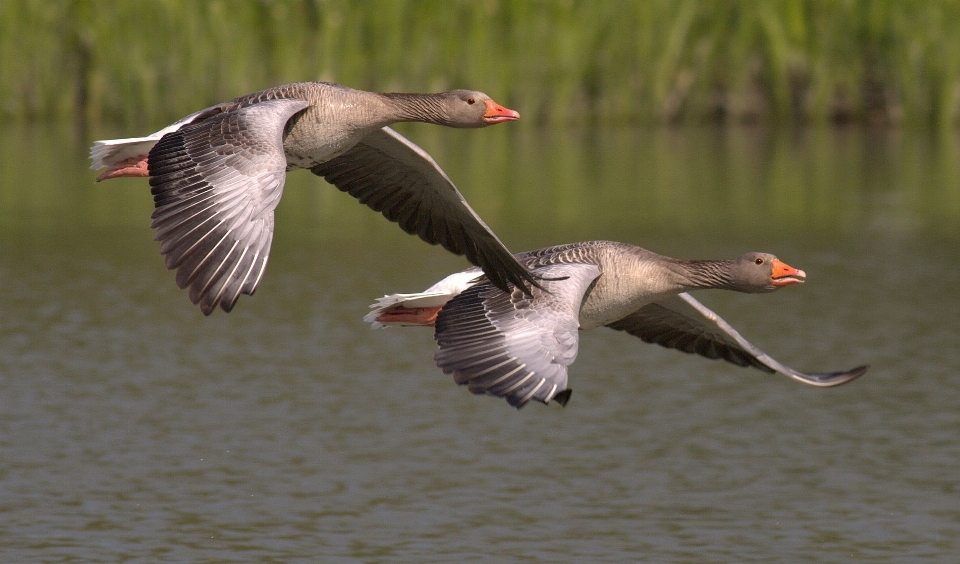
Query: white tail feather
(110, 151)
(434, 296)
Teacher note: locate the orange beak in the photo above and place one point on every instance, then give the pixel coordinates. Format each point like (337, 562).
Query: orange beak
(498, 114)
(785, 275)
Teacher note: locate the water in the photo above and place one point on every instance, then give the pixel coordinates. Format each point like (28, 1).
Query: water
(133, 429)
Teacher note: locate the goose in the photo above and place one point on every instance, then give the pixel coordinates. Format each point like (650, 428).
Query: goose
(518, 347)
(218, 174)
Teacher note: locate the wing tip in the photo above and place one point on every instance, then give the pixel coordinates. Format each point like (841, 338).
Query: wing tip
(830, 379)
(857, 372)
(562, 397)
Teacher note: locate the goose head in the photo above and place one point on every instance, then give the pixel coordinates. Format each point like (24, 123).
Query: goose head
(763, 272)
(469, 108)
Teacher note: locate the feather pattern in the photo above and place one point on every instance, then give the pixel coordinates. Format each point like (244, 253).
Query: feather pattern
(514, 346)
(681, 322)
(395, 177)
(669, 324)
(215, 185)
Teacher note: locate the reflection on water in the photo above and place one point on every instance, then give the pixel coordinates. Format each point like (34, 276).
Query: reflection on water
(134, 428)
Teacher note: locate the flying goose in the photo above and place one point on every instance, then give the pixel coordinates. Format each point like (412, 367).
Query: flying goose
(518, 347)
(218, 174)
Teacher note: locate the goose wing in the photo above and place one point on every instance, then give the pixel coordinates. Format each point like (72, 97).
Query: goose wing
(215, 184)
(511, 345)
(685, 324)
(400, 180)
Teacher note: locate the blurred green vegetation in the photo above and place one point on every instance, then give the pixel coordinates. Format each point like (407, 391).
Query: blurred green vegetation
(643, 61)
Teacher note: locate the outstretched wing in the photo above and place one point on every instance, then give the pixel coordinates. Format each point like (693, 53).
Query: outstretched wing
(399, 179)
(514, 346)
(215, 185)
(685, 324)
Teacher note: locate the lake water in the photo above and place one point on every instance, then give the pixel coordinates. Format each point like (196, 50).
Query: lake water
(134, 429)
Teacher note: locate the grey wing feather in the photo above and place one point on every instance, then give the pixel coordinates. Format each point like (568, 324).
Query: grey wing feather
(399, 179)
(685, 324)
(215, 185)
(515, 346)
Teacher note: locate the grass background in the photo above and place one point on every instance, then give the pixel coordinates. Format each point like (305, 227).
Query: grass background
(584, 62)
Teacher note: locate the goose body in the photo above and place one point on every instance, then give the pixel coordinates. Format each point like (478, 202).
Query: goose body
(218, 174)
(518, 347)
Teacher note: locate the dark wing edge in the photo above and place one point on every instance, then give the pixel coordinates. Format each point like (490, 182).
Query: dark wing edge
(685, 324)
(513, 346)
(395, 177)
(215, 184)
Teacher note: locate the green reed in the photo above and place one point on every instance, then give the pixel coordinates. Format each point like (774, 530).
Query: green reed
(642, 61)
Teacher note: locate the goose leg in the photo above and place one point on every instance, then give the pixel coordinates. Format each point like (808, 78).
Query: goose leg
(134, 166)
(425, 316)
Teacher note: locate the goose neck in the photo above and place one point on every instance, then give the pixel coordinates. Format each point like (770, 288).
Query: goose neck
(426, 108)
(706, 274)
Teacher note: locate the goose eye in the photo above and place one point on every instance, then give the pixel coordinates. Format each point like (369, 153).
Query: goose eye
(471, 101)
(759, 260)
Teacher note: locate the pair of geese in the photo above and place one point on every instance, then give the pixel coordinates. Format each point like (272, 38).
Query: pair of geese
(509, 328)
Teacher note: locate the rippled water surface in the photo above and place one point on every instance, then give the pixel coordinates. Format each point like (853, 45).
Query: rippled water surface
(134, 429)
